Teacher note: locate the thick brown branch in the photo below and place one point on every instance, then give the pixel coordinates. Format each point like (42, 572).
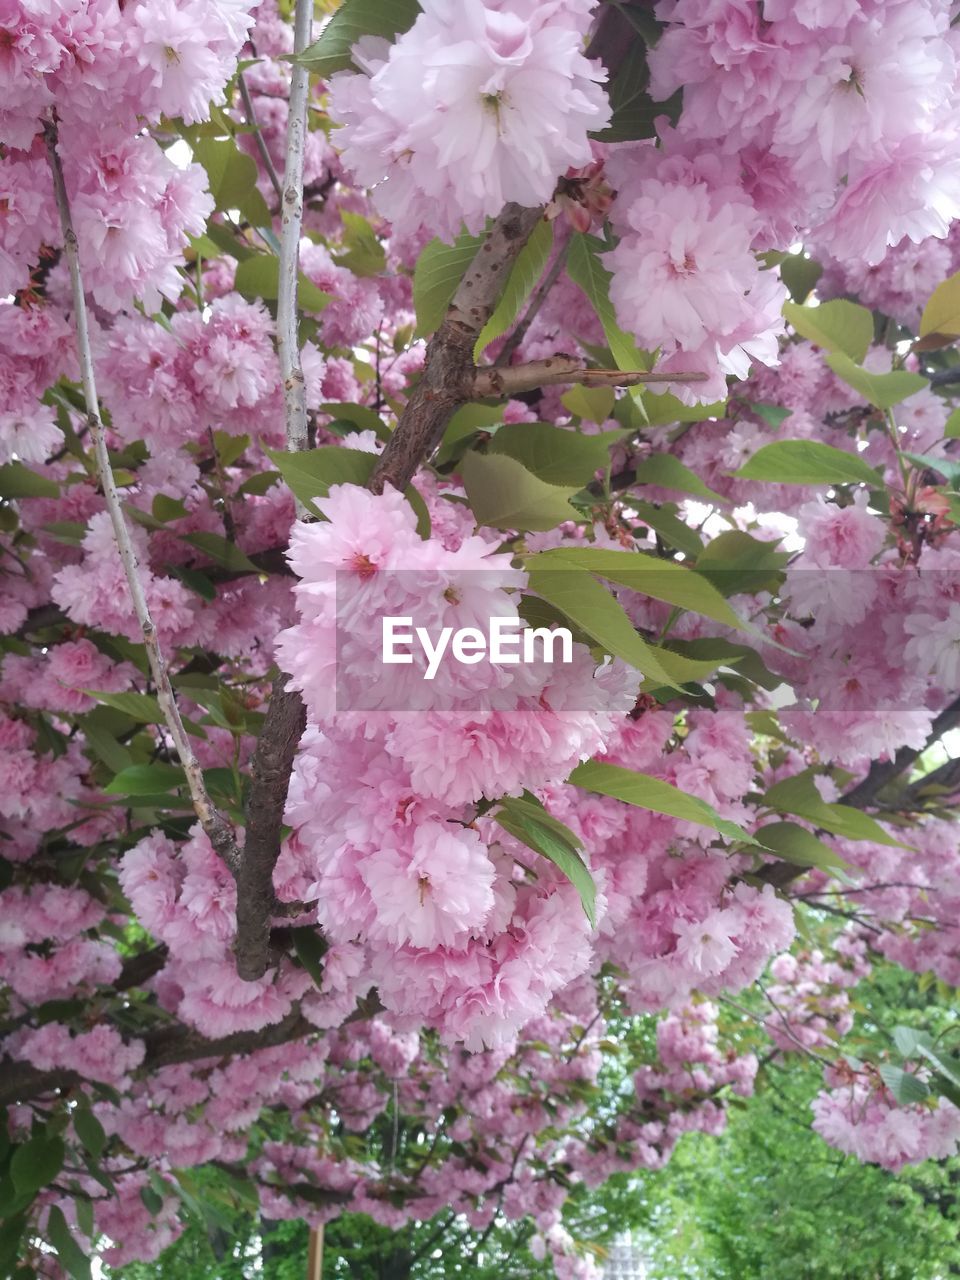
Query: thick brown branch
(271, 768)
(448, 375)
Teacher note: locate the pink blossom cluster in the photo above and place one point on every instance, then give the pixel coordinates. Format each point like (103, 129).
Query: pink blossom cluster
(384, 838)
(186, 897)
(479, 103)
(685, 275)
(858, 1115)
(811, 1007)
(102, 68)
(839, 114)
(215, 371)
(48, 951)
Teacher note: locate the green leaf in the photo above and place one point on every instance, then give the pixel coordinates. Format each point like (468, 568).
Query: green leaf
(951, 430)
(797, 845)
(310, 947)
(526, 820)
(633, 110)
(774, 415)
(310, 474)
(525, 273)
(18, 481)
(838, 326)
(69, 1252)
(881, 389)
(152, 1201)
(232, 176)
(724, 653)
(138, 706)
(36, 1162)
(942, 312)
(360, 415)
(259, 277)
(504, 495)
(665, 408)
(735, 562)
(90, 1131)
(949, 468)
(800, 274)
(221, 551)
(595, 404)
(556, 455)
(257, 485)
(798, 795)
(904, 1086)
(230, 447)
(146, 780)
(807, 462)
(908, 1041)
(439, 270)
(595, 611)
(365, 255)
(673, 531)
(587, 272)
(466, 422)
(668, 472)
(196, 581)
(662, 579)
(354, 19)
(165, 508)
(654, 794)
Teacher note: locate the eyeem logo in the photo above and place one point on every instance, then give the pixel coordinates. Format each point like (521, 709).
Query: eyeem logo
(508, 641)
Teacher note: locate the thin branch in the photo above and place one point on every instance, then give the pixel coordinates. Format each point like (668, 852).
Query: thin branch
(449, 372)
(216, 827)
(560, 370)
(288, 342)
(533, 310)
(164, 1048)
(285, 719)
(251, 118)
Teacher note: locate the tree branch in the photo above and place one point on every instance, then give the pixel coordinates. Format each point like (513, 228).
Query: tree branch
(291, 220)
(164, 1048)
(882, 773)
(533, 310)
(449, 372)
(271, 768)
(560, 370)
(285, 719)
(251, 117)
(866, 792)
(218, 830)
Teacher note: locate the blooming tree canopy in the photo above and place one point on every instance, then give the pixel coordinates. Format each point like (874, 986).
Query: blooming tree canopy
(628, 327)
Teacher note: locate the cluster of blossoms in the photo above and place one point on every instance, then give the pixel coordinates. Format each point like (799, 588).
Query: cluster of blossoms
(858, 1115)
(103, 67)
(498, 1000)
(475, 105)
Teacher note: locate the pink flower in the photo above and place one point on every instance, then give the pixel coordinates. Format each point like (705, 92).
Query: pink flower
(477, 104)
(434, 893)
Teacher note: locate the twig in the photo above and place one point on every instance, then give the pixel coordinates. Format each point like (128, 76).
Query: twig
(285, 719)
(533, 310)
(559, 370)
(251, 116)
(216, 827)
